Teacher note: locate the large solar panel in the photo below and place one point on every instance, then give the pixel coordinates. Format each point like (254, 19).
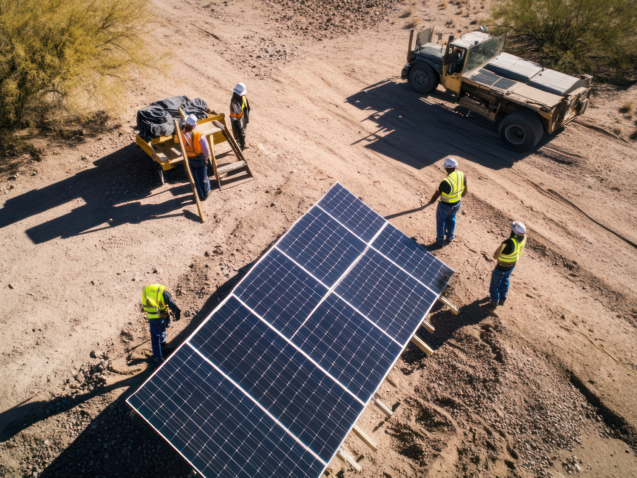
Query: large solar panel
(275, 378)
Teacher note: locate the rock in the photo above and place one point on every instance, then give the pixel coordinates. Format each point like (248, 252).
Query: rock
(187, 313)
(47, 442)
(97, 369)
(10, 286)
(95, 354)
(207, 254)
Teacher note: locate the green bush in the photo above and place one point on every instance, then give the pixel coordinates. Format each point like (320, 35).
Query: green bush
(576, 36)
(70, 53)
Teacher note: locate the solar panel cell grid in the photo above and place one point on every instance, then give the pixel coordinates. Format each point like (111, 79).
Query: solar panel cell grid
(214, 425)
(413, 258)
(396, 302)
(322, 246)
(281, 292)
(304, 399)
(351, 212)
(355, 352)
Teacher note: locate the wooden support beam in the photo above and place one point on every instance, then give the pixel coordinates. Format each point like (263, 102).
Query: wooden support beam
(365, 438)
(427, 326)
(453, 308)
(347, 457)
(422, 345)
(383, 408)
(187, 166)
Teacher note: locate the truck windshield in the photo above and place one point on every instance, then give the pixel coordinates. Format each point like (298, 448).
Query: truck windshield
(483, 52)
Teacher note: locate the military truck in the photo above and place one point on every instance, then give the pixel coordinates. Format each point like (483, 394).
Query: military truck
(524, 98)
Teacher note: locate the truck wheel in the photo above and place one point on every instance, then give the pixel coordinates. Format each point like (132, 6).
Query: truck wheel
(521, 131)
(423, 79)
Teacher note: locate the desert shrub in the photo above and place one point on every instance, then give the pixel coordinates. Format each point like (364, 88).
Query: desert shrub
(75, 54)
(576, 36)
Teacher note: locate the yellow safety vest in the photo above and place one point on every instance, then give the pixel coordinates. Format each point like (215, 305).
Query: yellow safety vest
(456, 181)
(193, 146)
(244, 105)
(153, 301)
(517, 251)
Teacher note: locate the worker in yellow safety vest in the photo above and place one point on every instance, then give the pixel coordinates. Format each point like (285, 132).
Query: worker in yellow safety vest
(239, 114)
(507, 256)
(451, 190)
(196, 146)
(158, 304)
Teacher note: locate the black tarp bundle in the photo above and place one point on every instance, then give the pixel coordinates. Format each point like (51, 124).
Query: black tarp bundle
(157, 119)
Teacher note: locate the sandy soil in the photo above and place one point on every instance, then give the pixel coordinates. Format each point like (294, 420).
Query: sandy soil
(522, 392)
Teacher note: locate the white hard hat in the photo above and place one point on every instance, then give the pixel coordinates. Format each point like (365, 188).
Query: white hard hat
(240, 89)
(191, 120)
(518, 228)
(450, 163)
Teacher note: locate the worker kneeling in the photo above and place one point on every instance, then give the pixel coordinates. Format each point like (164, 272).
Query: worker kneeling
(157, 304)
(507, 256)
(196, 147)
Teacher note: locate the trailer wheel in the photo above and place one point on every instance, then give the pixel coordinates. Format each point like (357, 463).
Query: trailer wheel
(423, 78)
(521, 131)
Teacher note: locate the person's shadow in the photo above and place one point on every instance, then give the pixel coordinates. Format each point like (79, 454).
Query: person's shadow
(119, 190)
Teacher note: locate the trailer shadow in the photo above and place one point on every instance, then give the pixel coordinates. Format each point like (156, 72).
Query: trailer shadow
(122, 188)
(419, 130)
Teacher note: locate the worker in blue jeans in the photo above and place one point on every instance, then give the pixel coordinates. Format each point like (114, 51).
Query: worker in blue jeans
(157, 304)
(451, 190)
(507, 256)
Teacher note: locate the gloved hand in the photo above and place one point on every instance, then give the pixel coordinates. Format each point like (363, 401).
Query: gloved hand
(178, 314)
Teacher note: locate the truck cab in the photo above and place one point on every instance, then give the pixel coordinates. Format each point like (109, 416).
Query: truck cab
(524, 98)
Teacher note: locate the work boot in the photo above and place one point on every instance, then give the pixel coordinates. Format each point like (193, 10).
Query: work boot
(159, 361)
(490, 307)
(502, 301)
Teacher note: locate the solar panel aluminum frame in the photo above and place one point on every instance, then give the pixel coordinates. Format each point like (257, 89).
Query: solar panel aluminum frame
(330, 291)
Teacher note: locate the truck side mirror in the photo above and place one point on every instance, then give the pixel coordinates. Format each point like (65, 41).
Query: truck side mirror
(451, 38)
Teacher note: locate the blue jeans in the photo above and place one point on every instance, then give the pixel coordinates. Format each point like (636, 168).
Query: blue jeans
(446, 220)
(499, 284)
(200, 176)
(157, 335)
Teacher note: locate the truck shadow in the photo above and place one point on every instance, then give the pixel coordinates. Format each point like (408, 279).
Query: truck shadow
(120, 189)
(419, 130)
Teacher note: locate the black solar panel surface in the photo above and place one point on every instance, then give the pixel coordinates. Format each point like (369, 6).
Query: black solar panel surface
(272, 382)
(309, 403)
(217, 427)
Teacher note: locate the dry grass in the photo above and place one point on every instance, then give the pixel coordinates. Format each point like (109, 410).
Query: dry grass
(443, 4)
(617, 130)
(628, 108)
(413, 22)
(408, 12)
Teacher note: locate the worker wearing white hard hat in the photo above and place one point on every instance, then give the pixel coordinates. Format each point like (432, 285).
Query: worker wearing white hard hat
(451, 190)
(240, 114)
(197, 151)
(507, 256)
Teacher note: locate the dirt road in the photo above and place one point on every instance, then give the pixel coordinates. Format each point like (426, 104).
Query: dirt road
(530, 391)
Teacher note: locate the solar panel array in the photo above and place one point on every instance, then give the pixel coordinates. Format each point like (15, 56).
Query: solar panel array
(275, 378)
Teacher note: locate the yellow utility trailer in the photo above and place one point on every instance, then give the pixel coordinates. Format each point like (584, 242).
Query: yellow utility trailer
(166, 151)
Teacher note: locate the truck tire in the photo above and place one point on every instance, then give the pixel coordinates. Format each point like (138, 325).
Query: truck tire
(521, 131)
(423, 78)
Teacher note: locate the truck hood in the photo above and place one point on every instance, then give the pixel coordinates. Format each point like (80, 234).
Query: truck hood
(431, 51)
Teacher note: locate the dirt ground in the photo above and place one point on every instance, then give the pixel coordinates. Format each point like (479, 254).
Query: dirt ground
(536, 389)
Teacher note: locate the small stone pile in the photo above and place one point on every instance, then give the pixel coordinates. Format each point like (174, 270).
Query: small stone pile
(321, 18)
